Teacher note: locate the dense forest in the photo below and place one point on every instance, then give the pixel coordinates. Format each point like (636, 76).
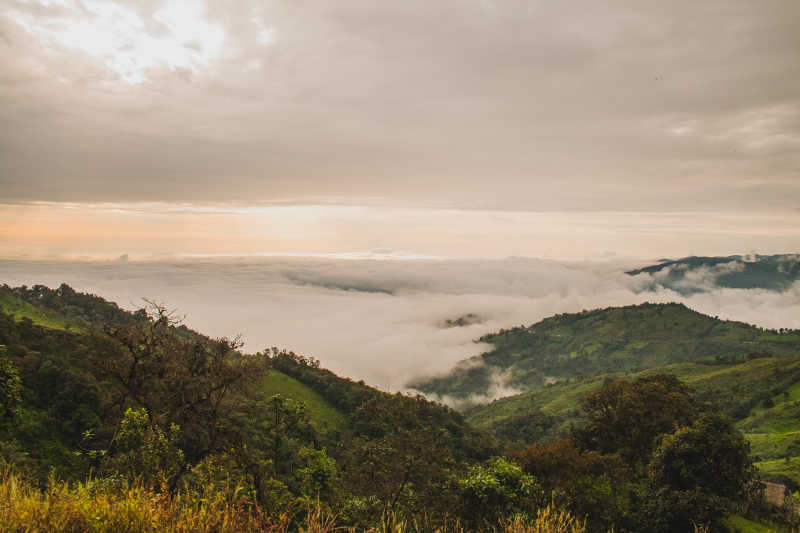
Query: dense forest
(129, 421)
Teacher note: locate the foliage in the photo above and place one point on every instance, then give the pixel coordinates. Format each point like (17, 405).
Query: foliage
(697, 474)
(591, 485)
(131, 508)
(577, 345)
(734, 389)
(61, 308)
(272, 442)
(142, 450)
(626, 417)
(489, 493)
(709, 455)
(530, 425)
(402, 455)
(10, 387)
(648, 458)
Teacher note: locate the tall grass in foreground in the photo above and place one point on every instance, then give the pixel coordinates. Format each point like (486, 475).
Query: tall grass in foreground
(548, 520)
(99, 508)
(89, 507)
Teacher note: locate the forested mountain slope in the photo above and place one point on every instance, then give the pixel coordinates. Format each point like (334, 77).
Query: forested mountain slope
(78, 372)
(149, 416)
(697, 274)
(575, 345)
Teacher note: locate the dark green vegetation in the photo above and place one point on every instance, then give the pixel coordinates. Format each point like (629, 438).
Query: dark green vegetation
(735, 389)
(649, 456)
(697, 274)
(761, 394)
(88, 389)
(130, 395)
(579, 345)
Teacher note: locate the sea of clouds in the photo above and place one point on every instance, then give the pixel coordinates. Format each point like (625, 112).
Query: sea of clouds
(387, 321)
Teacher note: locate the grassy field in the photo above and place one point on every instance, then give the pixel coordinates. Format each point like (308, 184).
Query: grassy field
(22, 309)
(321, 413)
(788, 468)
(743, 525)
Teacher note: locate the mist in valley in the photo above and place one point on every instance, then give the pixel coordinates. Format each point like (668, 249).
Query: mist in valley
(390, 321)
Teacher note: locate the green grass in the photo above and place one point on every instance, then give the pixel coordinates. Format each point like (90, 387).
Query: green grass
(321, 413)
(743, 525)
(22, 309)
(774, 432)
(770, 446)
(781, 468)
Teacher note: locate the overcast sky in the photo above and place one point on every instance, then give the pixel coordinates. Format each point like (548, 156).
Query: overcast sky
(455, 104)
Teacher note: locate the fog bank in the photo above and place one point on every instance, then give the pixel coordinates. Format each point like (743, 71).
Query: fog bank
(385, 321)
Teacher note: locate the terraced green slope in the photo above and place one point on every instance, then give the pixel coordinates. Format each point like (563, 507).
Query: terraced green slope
(570, 346)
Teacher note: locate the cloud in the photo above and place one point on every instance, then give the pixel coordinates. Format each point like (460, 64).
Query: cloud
(392, 333)
(472, 104)
(683, 278)
(499, 387)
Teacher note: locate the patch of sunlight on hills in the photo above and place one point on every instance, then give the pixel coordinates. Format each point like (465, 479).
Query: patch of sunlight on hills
(321, 413)
(22, 309)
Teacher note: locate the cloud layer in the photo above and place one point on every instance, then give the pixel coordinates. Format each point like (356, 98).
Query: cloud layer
(383, 321)
(467, 103)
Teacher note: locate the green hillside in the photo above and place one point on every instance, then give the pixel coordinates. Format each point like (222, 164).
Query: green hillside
(771, 272)
(738, 390)
(618, 339)
(61, 308)
(132, 404)
(138, 397)
(19, 308)
(322, 414)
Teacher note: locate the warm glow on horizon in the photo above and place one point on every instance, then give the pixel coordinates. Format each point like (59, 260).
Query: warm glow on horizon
(161, 230)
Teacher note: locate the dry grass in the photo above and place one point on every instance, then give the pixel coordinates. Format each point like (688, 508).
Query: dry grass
(82, 508)
(548, 520)
(94, 507)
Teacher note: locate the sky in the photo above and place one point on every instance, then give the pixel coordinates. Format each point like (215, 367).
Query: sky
(457, 106)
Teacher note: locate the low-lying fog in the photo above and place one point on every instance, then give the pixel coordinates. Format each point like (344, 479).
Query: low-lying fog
(385, 321)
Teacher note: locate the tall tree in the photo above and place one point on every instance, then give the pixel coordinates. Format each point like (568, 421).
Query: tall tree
(626, 417)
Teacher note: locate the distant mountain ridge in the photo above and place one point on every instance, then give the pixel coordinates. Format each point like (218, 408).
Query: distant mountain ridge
(574, 345)
(698, 274)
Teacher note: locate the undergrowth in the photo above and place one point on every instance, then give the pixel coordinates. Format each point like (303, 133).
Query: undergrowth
(99, 507)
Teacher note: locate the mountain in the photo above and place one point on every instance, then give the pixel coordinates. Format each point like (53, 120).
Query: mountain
(698, 274)
(82, 361)
(131, 412)
(577, 345)
(761, 395)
